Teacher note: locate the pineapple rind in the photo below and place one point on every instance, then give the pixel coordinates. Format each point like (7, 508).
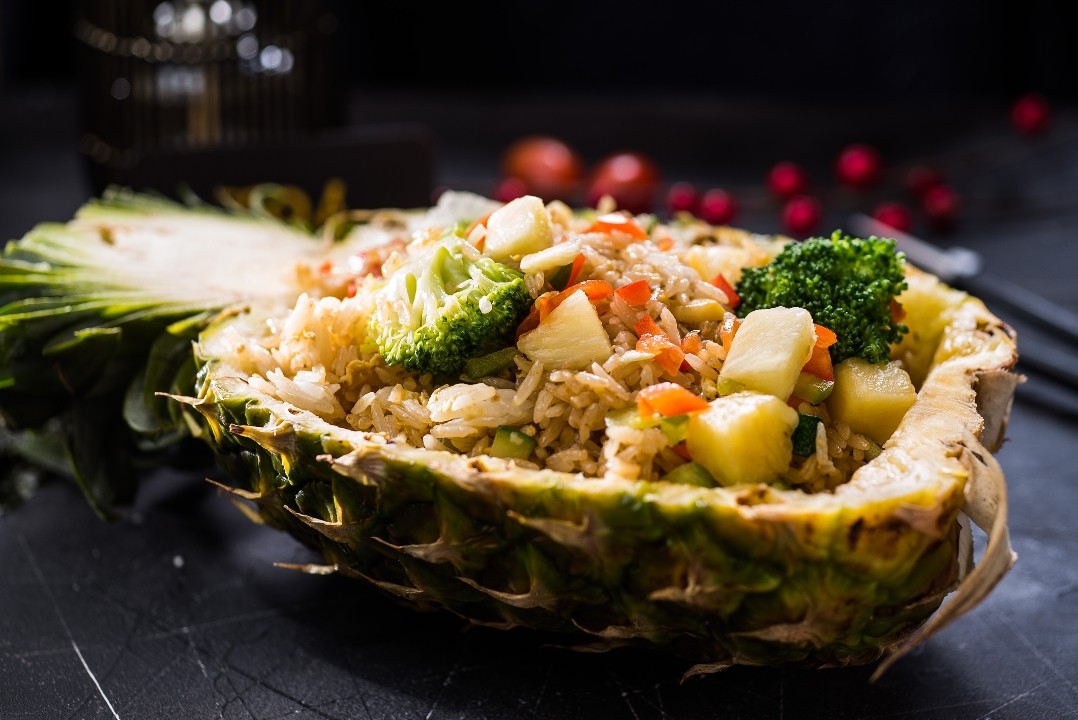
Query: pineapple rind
(749, 574)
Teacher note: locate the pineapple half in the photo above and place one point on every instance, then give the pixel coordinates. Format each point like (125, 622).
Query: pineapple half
(720, 576)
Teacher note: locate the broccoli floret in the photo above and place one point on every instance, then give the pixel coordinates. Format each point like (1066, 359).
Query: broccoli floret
(847, 283)
(445, 305)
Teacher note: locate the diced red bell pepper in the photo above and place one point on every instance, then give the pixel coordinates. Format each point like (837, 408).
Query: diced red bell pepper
(635, 293)
(732, 298)
(618, 222)
(668, 399)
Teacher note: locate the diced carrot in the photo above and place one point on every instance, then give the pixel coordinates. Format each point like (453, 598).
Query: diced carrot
(647, 326)
(546, 303)
(326, 267)
(618, 222)
(825, 338)
(574, 273)
(665, 243)
(652, 340)
(476, 223)
(692, 343)
(682, 449)
(352, 288)
(669, 357)
(732, 298)
(635, 293)
(594, 289)
(729, 328)
(898, 313)
(819, 364)
(668, 399)
(531, 321)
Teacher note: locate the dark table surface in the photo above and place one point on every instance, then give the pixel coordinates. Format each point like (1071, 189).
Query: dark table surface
(178, 611)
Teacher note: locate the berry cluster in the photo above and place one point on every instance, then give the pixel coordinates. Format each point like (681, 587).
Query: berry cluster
(548, 167)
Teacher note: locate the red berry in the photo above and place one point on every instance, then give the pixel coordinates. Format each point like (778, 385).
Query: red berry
(801, 215)
(1030, 114)
(858, 166)
(681, 197)
(940, 205)
(922, 178)
(787, 179)
(893, 214)
(717, 207)
(509, 188)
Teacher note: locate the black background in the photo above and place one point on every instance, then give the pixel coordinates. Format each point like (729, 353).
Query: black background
(177, 611)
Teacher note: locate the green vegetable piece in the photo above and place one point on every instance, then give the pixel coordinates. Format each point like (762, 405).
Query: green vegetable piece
(446, 305)
(804, 435)
(511, 443)
(628, 417)
(690, 473)
(846, 283)
(675, 428)
(492, 364)
(812, 389)
(559, 279)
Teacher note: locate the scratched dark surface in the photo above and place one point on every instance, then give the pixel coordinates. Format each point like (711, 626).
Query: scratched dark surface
(178, 612)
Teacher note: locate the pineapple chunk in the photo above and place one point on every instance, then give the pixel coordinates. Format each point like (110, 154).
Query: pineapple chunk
(571, 337)
(743, 438)
(769, 350)
(519, 227)
(871, 398)
(712, 260)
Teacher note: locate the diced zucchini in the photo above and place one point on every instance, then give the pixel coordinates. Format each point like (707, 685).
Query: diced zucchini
(571, 337)
(511, 443)
(495, 362)
(628, 417)
(812, 389)
(698, 311)
(726, 386)
(743, 438)
(804, 437)
(675, 428)
(520, 227)
(691, 473)
(559, 279)
(871, 398)
(769, 350)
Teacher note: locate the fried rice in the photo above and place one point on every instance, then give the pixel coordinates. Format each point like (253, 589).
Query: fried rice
(316, 356)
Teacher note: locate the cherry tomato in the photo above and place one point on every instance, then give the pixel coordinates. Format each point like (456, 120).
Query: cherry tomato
(547, 166)
(631, 178)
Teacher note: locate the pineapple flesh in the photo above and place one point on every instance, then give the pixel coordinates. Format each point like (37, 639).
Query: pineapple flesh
(743, 438)
(769, 350)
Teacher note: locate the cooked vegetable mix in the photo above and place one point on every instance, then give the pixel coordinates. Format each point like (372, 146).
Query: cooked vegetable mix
(624, 430)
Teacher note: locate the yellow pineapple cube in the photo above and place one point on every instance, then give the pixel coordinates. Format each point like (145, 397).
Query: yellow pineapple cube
(871, 398)
(571, 337)
(769, 350)
(743, 438)
(520, 227)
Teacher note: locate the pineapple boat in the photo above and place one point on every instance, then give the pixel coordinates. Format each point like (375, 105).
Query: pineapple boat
(737, 448)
